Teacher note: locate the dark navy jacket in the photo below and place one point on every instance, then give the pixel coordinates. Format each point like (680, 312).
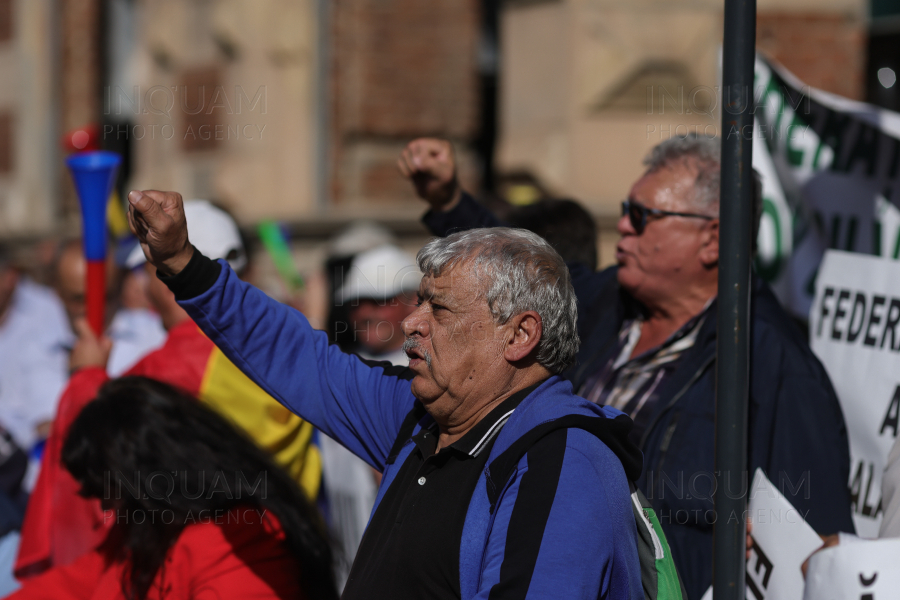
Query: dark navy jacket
(797, 434)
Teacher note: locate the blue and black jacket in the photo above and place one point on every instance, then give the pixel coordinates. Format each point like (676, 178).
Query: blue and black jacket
(585, 538)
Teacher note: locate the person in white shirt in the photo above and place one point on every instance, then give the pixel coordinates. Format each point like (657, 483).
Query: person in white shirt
(33, 355)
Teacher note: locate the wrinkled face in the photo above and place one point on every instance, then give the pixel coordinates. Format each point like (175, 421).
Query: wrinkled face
(664, 259)
(453, 343)
(376, 324)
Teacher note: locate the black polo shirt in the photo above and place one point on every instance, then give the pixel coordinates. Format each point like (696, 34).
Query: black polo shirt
(411, 546)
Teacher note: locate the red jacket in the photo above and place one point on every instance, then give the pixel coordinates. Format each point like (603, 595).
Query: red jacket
(61, 526)
(236, 555)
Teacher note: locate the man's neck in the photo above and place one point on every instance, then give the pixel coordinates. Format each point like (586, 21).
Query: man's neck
(472, 412)
(668, 317)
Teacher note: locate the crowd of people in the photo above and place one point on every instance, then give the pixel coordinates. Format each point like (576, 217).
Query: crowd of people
(492, 418)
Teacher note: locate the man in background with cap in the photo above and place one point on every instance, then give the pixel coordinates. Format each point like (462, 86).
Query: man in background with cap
(59, 525)
(380, 290)
(134, 331)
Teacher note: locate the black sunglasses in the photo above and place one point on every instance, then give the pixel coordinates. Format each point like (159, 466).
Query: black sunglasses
(637, 215)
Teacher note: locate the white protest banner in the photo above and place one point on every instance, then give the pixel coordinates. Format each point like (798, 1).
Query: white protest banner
(864, 570)
(855, 331)
(782, 540)
(831, 179)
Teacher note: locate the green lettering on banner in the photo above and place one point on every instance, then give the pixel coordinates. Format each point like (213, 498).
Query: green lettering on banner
(770, 270)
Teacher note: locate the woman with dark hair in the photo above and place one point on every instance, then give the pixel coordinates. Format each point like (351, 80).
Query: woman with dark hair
(196, 509)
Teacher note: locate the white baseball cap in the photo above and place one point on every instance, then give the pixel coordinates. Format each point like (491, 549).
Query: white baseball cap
(211, 230)
(381, 273)
(358, 237)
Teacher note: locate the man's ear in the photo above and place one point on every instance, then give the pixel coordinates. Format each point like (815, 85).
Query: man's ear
(709, 251)
(526, 329)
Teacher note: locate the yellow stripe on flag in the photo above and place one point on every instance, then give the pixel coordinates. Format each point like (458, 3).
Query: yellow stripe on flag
(115, 216)
(287, 437)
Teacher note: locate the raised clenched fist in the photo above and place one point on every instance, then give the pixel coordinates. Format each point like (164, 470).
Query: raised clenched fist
(157, 219)
(429, 163)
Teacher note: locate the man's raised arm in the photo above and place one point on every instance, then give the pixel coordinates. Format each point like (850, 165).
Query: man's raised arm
(430, 165)
(361, 406)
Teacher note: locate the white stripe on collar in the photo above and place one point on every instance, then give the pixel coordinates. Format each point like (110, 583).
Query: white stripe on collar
(491, 433)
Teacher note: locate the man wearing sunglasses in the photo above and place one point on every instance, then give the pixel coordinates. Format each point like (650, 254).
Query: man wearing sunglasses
(648, 331)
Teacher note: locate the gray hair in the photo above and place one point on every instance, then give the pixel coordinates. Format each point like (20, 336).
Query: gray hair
(698, 151)
(703, 153)
(524, 273)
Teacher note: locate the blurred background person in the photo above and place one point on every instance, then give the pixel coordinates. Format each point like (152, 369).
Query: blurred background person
(132, 326)
(369, 286)
(380, 291)
(342, 249)
(33, 372)
(565, 224)
(199, 533)
(33, 356)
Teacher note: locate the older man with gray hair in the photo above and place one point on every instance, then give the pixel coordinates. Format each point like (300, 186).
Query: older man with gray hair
(648, 330)
(498, 481)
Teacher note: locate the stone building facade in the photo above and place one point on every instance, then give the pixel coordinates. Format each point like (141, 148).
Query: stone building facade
(29, 116)
(296, 109)
(589, 86)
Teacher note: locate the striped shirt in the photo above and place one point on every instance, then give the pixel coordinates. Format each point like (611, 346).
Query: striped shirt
(632, 384)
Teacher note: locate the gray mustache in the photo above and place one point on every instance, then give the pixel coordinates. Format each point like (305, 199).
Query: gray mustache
(413, 344)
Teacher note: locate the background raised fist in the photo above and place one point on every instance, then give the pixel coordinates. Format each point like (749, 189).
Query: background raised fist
(431, 166)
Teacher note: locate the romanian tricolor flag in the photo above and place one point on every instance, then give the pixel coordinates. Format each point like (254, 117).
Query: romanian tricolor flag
(60, 526)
